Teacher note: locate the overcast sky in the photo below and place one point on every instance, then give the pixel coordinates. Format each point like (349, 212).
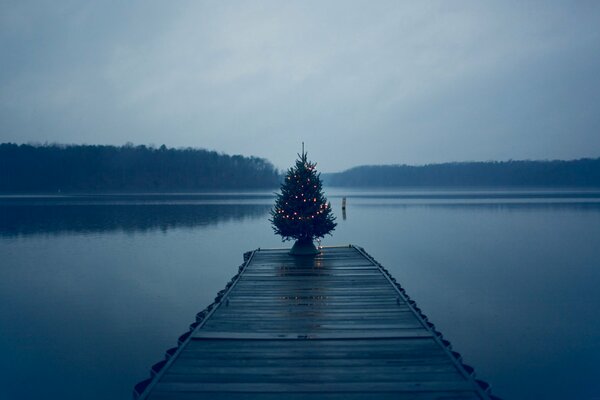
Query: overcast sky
(367, 82)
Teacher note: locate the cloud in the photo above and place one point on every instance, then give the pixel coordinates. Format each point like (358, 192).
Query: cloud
(360, 82)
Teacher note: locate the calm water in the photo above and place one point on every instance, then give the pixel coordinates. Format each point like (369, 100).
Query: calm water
(93, 289)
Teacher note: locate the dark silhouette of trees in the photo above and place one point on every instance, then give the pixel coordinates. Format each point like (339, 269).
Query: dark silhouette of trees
(83, 168)
(23, 218)
(576, 173)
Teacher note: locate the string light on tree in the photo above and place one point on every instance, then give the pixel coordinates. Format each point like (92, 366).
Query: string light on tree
(294, 215)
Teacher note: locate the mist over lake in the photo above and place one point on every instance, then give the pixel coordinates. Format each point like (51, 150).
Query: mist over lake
(145, 146)
(95, 288)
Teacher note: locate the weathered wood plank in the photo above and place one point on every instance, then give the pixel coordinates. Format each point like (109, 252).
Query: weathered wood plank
(316, 387)
(437, 395)
(287, 334)
(329, 327)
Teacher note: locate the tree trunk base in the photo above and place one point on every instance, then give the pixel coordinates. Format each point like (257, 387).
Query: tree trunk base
(304, 247)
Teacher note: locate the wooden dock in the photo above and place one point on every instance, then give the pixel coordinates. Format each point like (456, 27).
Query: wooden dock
(333, 327)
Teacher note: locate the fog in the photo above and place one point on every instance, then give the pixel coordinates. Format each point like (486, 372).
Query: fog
(359, 82)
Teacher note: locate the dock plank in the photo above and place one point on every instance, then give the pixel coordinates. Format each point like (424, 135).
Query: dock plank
(330, 327)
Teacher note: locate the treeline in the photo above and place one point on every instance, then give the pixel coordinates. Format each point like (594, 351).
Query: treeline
(82, 168)
(576, 173)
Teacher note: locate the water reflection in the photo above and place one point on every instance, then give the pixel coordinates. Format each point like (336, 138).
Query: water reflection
(547, 206)
(303, 293)
(465, 194)
(484, 200)
(22, 218)
(511, 281)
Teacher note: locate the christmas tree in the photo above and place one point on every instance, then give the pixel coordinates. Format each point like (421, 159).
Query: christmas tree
(301, 210)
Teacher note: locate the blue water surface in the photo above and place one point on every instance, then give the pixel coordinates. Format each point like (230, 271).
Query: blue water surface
(94, 288)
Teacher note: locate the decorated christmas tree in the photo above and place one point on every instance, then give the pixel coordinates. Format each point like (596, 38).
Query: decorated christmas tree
(301, 210)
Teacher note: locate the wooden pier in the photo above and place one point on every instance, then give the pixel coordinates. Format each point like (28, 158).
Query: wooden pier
(336, 326)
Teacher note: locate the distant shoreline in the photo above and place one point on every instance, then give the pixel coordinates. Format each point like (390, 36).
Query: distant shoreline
(105, 170)
(582, 173)
(133, 169)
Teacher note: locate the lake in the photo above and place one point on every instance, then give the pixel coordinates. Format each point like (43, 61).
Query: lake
(94, 289)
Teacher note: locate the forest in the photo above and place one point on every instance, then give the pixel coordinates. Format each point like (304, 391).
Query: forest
(27, 168)
(576, 173)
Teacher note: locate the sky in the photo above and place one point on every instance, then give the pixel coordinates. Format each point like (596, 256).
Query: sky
(360, 82)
